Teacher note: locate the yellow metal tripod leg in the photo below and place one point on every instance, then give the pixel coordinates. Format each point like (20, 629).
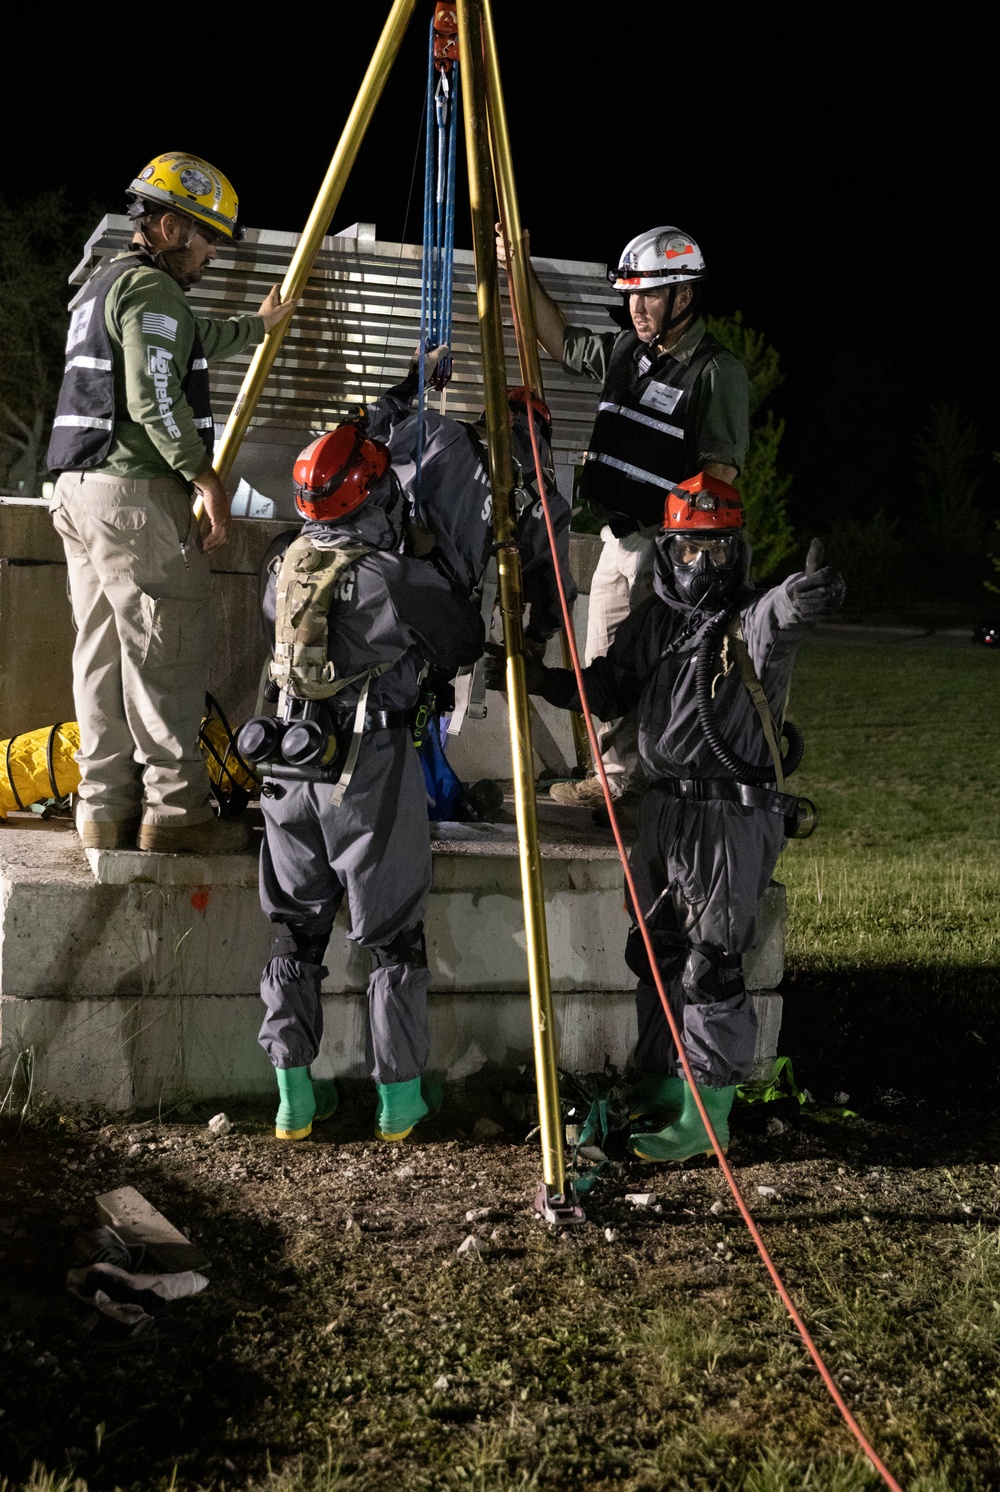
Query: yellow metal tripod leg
(555, 1199)
(517, 269)
(316, 228)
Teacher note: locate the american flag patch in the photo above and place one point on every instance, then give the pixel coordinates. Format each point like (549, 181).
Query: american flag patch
(155, 324)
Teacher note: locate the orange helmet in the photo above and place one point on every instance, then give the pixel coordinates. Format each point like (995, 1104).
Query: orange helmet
(704, 503)
(334, 475)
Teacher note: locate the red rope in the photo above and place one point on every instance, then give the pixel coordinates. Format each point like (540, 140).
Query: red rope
(744, 1210)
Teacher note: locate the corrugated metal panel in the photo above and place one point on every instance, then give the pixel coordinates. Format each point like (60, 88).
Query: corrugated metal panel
(354, 333)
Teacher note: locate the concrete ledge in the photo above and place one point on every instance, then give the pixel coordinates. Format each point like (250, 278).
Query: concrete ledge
(125, 1054)
(65, 936)
(143, 985)
(128, 867)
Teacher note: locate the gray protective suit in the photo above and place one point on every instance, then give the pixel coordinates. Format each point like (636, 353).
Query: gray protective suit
(700, 867)
(455, 501)
(376, 846)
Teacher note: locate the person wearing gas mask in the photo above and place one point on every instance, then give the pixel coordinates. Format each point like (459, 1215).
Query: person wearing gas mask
(674, 402)
(133, 441)
(707, 662)
(354, 624)
(452, 502)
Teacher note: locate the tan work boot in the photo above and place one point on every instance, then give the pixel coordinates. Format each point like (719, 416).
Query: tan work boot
(108, 834)
(212, 837)
(587, 793)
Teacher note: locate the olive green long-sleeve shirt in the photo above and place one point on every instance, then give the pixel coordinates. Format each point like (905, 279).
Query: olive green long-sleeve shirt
(152, 328)
(719, 419)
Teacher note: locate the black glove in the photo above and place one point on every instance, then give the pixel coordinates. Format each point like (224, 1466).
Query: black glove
(495, 670)
(819, 592)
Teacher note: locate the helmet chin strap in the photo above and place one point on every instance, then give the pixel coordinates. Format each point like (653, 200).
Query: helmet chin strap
(162, 257)
(670, 321)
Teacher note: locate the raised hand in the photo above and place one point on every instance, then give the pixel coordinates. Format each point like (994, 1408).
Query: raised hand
(819, 590)
(431, 357)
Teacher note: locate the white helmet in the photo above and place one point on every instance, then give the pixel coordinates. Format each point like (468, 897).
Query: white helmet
(662, 256)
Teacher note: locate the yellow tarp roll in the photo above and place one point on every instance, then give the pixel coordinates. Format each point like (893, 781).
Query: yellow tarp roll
(224, 765)
(38, 764)
(25, 764)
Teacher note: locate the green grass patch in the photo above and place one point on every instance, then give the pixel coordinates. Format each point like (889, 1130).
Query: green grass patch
(893, 933)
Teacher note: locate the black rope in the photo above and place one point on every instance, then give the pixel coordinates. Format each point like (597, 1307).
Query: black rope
(10, 773)
(213, 704)
(50, 765)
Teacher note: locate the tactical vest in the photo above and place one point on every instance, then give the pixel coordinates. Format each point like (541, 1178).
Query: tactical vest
(641, 445)
(85, 415)
(309, 580)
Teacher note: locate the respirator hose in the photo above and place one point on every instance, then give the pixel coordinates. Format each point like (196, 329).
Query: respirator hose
(721, 749)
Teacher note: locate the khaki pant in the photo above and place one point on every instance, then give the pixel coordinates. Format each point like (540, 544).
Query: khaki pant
(622, 580)
(139, 587)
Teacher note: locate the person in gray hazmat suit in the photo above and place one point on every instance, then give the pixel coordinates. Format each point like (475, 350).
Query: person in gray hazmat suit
(452, 498)
(707, 661)
(343, 796)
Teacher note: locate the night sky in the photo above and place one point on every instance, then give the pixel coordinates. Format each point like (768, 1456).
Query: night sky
(835, 166)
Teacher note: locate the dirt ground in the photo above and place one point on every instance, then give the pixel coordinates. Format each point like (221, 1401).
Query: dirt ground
(345, 1343)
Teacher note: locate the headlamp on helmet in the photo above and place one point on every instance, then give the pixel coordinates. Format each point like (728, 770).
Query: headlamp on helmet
(661, 256)
(335, 474)
(703, 502)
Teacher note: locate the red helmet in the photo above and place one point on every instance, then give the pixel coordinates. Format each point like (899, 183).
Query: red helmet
(333, 476)
(521, 394)
(712, 504)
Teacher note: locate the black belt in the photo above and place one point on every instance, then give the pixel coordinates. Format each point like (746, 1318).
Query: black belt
(376, 720)
(708, 789)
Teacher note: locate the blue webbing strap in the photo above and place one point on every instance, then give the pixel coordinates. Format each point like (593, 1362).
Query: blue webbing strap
(437, 264)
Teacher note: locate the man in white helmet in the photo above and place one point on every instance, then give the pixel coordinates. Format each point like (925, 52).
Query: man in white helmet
(674, 403)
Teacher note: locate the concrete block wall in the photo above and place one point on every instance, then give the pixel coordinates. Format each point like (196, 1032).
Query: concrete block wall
(141, 987)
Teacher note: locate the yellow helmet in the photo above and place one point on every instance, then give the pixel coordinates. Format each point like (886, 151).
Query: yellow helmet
(190, 185)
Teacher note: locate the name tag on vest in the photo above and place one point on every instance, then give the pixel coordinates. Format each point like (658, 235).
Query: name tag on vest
(662, 396)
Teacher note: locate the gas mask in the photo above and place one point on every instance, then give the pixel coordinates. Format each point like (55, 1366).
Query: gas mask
(704, 570)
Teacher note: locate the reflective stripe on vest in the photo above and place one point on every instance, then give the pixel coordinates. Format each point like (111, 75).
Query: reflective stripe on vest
(82, 422)
(101, 364)
(642, 419)
(635, 473)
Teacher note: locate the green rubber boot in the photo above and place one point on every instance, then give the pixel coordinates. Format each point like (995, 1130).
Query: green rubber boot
(653, 1093)
(297, 1108)
(687, 1135)
(432, 1092)
(326, 1096)
(401, 1106)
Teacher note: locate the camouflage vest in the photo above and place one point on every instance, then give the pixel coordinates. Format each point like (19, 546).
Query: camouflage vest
(309, 581)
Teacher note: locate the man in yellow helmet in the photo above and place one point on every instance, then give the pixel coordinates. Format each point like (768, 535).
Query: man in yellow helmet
(133, 441)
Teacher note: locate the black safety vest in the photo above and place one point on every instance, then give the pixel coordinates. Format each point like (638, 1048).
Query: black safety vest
(641, 444)
(85, 414)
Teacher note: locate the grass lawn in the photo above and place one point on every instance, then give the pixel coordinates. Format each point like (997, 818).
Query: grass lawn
(893, 927)
(345, 1346)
